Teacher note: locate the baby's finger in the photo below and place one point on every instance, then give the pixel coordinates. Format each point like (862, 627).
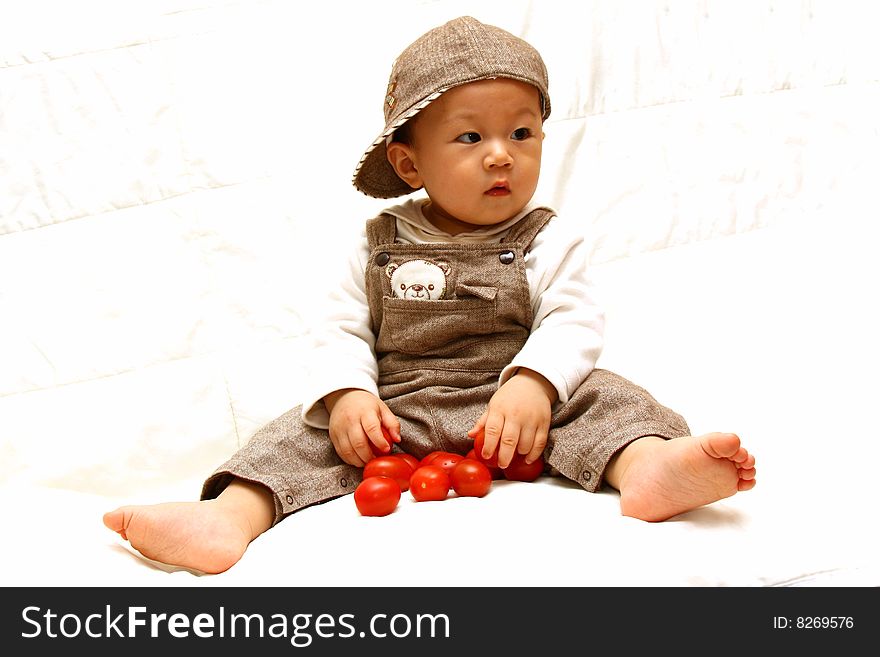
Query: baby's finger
(372, 433)
(391, 423)
(492, 435)
(538, 444)
(510, 437)
(526, 440)
(345, 449)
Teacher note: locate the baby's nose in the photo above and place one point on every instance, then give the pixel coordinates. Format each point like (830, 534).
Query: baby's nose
(498, 156)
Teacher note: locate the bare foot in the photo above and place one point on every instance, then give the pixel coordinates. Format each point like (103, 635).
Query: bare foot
(209, 536)
(660, 478)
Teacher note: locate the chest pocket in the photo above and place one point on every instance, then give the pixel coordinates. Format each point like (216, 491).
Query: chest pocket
(437, 327)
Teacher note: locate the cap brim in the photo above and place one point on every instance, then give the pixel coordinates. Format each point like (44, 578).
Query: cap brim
(374, 175)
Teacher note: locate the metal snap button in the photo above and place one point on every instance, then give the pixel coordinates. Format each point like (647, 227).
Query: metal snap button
(586, 475)
(343, 482)
(506, 257)
(382, 259)
(289, 499)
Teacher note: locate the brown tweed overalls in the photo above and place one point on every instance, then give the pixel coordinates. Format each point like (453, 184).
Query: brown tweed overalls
(439, 363)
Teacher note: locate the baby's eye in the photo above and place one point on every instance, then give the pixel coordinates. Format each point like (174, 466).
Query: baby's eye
(521, 133)
(469, 138)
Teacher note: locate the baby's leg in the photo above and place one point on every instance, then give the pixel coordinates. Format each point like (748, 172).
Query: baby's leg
(209, 536)
(659, 478)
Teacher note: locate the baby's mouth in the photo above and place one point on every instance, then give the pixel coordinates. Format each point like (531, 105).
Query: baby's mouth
(501, 188)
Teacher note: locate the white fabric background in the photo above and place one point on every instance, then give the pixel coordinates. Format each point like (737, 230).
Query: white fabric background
(175, 175)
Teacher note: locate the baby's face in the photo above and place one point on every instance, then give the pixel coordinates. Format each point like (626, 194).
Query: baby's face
(477, 152)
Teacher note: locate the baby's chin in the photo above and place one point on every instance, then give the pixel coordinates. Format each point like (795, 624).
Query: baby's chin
(491, 211)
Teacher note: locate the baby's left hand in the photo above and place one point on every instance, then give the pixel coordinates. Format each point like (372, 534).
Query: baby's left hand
(517, 418)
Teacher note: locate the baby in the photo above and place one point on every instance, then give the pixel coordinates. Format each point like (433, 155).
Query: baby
(464, 313)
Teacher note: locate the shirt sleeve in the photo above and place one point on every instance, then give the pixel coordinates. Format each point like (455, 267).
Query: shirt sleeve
(341, 350)
(567, 331)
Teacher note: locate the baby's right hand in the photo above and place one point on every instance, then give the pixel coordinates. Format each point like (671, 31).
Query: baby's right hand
(357, 419)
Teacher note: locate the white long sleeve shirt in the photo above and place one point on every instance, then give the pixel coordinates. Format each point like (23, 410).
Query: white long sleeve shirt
(566, 332)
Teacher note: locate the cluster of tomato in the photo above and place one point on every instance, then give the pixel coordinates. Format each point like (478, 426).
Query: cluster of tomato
(431, 478)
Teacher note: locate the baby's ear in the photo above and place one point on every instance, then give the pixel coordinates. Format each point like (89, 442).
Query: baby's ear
(389, 270)
(400, 157)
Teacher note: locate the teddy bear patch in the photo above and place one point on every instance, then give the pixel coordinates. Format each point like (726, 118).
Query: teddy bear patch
(418, 279)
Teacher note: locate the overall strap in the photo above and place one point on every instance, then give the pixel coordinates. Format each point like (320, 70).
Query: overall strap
(526, 228)
(381, 230)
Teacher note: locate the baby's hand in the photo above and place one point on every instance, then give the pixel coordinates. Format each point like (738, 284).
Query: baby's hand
(357, 419)
(517, 418)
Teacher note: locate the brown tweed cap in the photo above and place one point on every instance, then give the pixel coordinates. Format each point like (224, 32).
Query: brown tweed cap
(460, 51)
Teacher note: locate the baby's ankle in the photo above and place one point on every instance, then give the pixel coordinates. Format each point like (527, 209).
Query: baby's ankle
(620, 463)
(250, 505)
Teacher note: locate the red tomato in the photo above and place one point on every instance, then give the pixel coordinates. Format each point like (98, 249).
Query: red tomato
(478, 452)
(389, 466)
(409, 458)
(470, 478)
(519, 470)
(446, 460)
(375, 450)
(429, 483)
(497, 473)
(377, 496)
(426, 460)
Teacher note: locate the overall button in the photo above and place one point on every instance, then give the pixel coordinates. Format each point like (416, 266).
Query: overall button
(587, 475)
(343, 482)
(506, 257)
(289, 499)
(382, 259)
